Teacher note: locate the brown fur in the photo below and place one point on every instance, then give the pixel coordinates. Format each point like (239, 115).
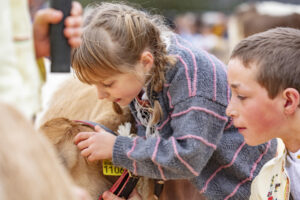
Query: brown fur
(29, 169)
(88, 175)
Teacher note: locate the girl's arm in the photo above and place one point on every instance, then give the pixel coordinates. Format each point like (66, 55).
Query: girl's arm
(197, 125)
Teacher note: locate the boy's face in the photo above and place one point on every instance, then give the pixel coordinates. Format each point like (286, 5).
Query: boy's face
(257, 117)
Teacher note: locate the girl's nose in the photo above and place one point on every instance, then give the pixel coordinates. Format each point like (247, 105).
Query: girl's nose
(102, 94)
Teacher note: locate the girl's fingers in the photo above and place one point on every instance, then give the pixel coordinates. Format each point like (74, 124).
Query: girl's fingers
(98, 128)
(83, 144)
(92, 157)
(86, 152)
(82, 136)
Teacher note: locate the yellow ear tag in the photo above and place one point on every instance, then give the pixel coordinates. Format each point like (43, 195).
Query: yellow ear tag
(110, 170)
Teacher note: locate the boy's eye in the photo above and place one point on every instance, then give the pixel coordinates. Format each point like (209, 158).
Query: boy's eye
(241, 97)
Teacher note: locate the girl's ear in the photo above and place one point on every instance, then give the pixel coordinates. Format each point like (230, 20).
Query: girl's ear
(147, 60)
(292, 99)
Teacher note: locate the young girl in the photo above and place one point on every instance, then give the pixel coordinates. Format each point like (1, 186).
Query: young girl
(178, 96)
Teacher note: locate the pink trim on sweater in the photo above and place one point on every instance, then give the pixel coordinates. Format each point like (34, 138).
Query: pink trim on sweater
(200, 109)
(186, 74)
(229, 124)
(198, 138)
(222, 167)
(251, 172)
(181, 160)
(128, 155)
(215, 75)
(153, 159)
(195, 67)
(170, 99)
(164, 123)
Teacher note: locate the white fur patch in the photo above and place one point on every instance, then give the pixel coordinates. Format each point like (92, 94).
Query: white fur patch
(124, 129)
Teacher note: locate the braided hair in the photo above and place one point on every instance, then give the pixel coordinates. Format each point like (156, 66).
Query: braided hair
(115, 35)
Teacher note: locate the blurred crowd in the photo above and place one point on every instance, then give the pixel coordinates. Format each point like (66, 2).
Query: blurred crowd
(207, 31)
(217, 32)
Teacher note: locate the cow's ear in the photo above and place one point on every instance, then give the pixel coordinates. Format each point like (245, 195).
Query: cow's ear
(55, 129)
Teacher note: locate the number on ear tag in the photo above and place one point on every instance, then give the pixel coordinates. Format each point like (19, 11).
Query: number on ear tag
(110, 170)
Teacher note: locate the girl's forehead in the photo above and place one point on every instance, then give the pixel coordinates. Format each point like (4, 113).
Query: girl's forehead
(104, 76)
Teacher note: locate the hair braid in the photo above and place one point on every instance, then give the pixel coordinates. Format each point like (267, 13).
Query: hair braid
(115, 36)
(161, 61)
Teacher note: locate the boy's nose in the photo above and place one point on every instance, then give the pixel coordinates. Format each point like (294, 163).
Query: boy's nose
(230, 112)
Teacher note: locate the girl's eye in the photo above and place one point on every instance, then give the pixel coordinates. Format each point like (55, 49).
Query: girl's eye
(108, 85)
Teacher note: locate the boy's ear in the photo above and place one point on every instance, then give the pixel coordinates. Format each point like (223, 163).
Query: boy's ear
(147, 60)
(292, 99)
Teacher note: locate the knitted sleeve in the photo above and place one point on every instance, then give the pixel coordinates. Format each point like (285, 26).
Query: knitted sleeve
(195, 135)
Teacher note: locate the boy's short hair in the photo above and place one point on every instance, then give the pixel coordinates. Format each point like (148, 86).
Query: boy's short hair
(276, 53)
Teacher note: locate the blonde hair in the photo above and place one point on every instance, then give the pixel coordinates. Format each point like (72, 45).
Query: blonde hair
(114, 37)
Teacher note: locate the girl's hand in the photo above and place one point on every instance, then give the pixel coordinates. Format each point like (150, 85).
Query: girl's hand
(95, 145)
(45, 17)
(110, 196)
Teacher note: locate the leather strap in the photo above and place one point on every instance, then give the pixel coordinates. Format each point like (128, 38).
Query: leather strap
(126, 182)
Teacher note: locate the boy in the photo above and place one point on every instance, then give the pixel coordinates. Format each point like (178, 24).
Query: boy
(264, 76)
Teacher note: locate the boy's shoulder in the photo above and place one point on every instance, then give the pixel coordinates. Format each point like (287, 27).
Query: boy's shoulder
(272, 182)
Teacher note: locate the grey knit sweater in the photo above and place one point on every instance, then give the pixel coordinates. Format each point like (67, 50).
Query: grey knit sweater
(195, 139)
